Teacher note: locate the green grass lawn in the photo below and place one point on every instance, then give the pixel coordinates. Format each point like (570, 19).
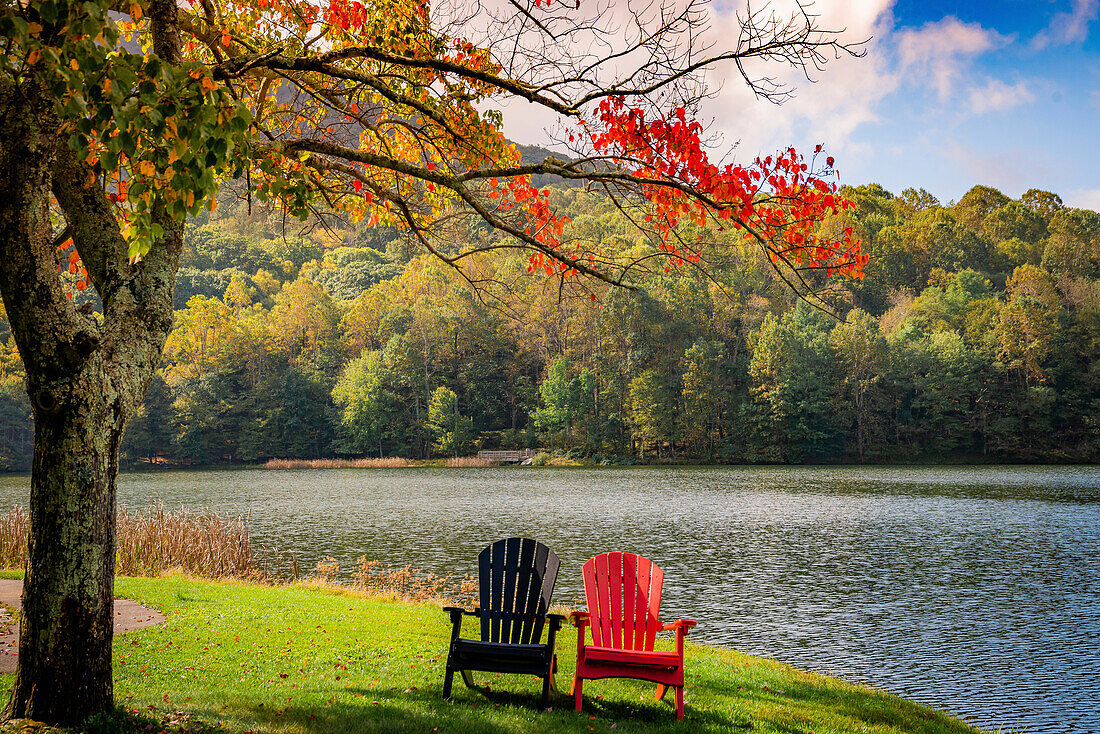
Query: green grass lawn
(298, 658)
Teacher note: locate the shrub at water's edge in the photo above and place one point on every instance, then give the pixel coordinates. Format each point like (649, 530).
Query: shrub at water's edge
(209, 545)
(14, 527)
(201, 543)
(399, 583)
(386, 462)
(470, 461)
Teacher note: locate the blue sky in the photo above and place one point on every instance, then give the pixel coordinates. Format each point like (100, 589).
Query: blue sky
(948, 95)
(1017, 105)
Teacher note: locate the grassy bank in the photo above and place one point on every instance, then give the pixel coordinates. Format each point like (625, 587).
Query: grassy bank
(308, 658)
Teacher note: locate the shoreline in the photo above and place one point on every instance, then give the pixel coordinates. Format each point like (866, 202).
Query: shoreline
(565, 463)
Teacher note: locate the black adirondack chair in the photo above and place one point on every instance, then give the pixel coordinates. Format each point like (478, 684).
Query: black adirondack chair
(516, 578)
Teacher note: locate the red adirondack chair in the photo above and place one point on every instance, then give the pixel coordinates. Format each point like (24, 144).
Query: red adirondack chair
(623, 591)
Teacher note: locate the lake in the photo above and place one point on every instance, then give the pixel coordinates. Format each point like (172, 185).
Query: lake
(976, 590)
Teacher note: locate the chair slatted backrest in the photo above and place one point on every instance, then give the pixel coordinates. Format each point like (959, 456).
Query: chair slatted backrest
(623, 591)
(516, 580)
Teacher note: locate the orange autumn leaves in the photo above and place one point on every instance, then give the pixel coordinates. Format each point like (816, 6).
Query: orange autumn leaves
(69, 261)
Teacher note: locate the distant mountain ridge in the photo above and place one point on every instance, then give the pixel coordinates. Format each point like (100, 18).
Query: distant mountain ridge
(532, 154)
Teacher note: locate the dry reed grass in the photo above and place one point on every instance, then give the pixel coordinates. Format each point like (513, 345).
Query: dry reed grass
(402, 582)
(205, 544)
(389, 462)
(14, 530)
(154, 540)
(469, 461)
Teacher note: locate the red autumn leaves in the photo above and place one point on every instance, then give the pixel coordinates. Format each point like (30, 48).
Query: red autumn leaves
(780, 200)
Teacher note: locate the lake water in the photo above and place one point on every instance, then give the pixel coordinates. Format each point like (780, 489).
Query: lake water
(976, 590)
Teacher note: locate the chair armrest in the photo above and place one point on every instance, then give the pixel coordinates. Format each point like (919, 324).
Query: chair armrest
(681, 625)
(553, 624)
(580, 619)
(456, 619)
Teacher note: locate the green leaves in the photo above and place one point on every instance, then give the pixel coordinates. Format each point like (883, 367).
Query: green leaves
(158, 136)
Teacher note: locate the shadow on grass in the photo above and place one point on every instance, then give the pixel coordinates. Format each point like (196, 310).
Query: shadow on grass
(469, 711)
(865, 707)
(637, 704)
(394, 712)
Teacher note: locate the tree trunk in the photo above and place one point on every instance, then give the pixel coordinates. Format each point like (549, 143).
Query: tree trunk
(64, 671)
(85, 377)
(65, 639)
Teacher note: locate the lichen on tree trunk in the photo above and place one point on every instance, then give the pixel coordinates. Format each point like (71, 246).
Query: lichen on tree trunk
(65, 645)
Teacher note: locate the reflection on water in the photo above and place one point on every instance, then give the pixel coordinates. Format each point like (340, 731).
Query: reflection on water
(973, 589)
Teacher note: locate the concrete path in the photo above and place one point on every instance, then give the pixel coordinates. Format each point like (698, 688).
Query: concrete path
(129, 616)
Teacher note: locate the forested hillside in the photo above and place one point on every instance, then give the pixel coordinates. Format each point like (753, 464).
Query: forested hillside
(975, 336)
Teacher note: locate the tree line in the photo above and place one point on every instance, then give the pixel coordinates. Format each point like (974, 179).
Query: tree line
(975, 336)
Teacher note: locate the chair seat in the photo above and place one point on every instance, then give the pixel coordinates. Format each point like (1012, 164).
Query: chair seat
(643, 658)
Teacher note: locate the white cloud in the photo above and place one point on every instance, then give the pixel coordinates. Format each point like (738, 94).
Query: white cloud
(1085, 199)
(850, 92)
(841, 97)
(996, 96)
(1067, 28)
(937, 53)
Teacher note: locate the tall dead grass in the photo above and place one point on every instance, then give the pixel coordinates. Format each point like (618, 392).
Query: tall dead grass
(205, 544)
(155, 540)
(389, 462)
(402, 582)
(469, 461)
(14, 529)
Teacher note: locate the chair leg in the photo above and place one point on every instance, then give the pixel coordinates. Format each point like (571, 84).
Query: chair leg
(547, 682)
(578, 699)
(662, 689)
(680, 703)
(553, 674)
(468, 679)
(447, 683)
